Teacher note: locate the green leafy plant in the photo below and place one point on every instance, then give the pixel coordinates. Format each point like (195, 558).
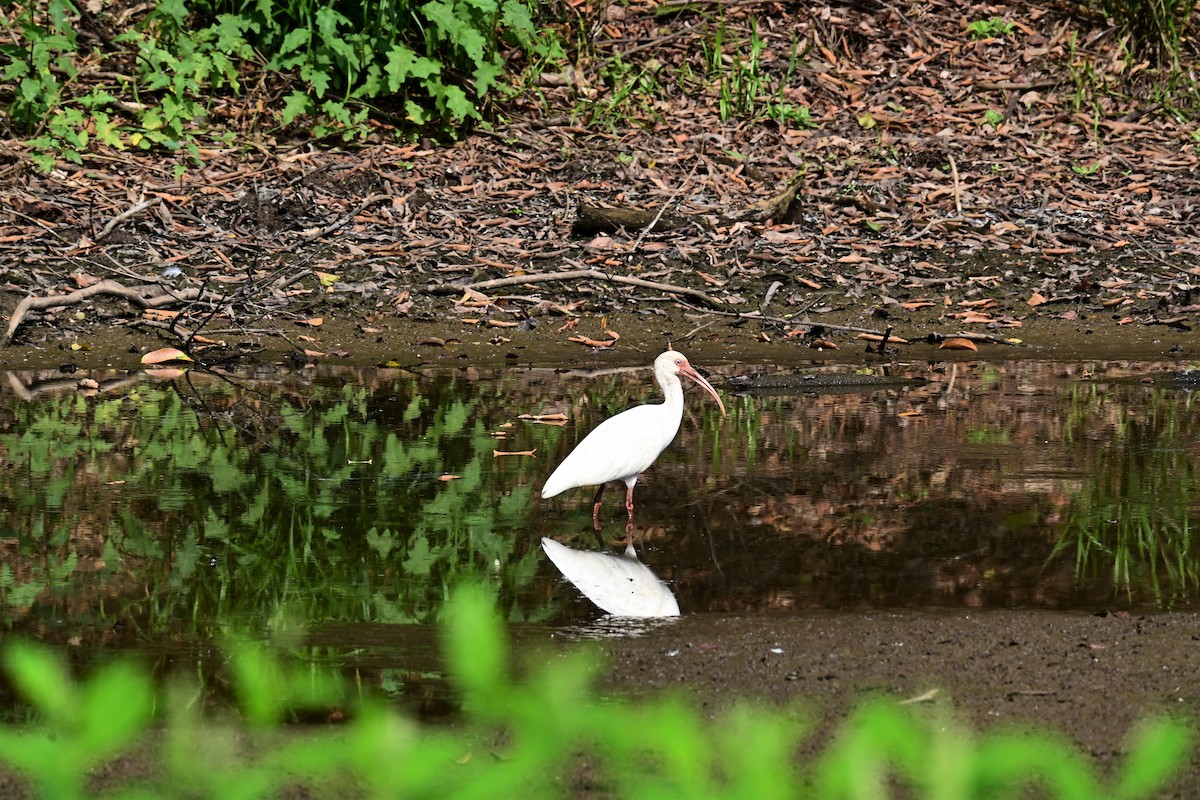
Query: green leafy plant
(993, 118)
(342, 65)
(1156, 26)
(991, 28)
(521, 738)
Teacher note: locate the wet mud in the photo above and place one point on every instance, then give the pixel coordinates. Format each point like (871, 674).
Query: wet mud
(1090, 677)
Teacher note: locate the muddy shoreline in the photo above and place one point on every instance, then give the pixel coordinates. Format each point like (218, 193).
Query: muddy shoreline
(1089, 676)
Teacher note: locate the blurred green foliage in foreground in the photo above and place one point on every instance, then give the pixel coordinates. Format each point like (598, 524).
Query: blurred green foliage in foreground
(547, 735)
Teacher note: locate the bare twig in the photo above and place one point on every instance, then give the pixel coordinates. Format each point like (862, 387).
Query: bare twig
(328, 229)
(574, 275)
(666, 203)
(957, 185)
(124, 215)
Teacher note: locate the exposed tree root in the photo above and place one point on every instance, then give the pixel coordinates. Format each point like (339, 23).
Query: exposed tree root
(136, 297)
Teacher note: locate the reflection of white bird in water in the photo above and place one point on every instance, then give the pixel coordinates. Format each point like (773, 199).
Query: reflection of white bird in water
(623, 447)
(619, 584)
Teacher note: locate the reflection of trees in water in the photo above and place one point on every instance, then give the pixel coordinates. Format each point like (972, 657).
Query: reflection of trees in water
(849, 501)
(262, 498)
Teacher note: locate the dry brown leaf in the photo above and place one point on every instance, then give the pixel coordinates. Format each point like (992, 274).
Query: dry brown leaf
(957, 344)
(824, 344)
(165, 355)
(911, 414)
(974, 318)
(314, 322)
(500, 323)
(915, 304)
(160, 314)
(1036, 299)
(875, 337)
(498, 453)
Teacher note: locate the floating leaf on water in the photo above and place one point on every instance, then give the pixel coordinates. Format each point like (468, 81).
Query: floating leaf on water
(88, 383)
(165, 355)
(498, 453)
(449, 477)
(824, 344)
(957, 344)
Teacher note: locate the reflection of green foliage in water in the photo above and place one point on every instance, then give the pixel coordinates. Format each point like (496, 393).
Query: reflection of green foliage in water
(1133, 517)
(237, 508)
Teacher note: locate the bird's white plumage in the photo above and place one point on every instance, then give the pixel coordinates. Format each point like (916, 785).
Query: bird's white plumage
(623, 447)
(620, 449)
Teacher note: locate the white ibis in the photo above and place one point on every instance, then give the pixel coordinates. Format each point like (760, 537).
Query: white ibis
(623, 447)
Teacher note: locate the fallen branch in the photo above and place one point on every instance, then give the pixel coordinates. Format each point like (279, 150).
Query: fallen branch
(106, 287)
(124, 215)
(573, 275)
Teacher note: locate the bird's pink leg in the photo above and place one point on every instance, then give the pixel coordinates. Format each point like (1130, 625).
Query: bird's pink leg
(629, 533)
(629, 502)
(596, 507)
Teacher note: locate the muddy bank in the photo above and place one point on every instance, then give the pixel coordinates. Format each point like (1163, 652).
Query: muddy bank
(1091, 677)
(356, 337)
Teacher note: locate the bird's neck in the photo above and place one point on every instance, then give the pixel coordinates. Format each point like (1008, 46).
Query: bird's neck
(672, 391)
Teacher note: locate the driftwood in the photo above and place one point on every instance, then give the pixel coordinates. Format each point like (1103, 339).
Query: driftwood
(781, 206)
(135, 296)
(591, 219)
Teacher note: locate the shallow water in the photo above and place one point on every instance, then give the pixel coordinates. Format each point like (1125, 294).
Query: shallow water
(156, 509)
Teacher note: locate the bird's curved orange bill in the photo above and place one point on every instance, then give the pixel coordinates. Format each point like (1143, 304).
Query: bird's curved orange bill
(690, 371)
